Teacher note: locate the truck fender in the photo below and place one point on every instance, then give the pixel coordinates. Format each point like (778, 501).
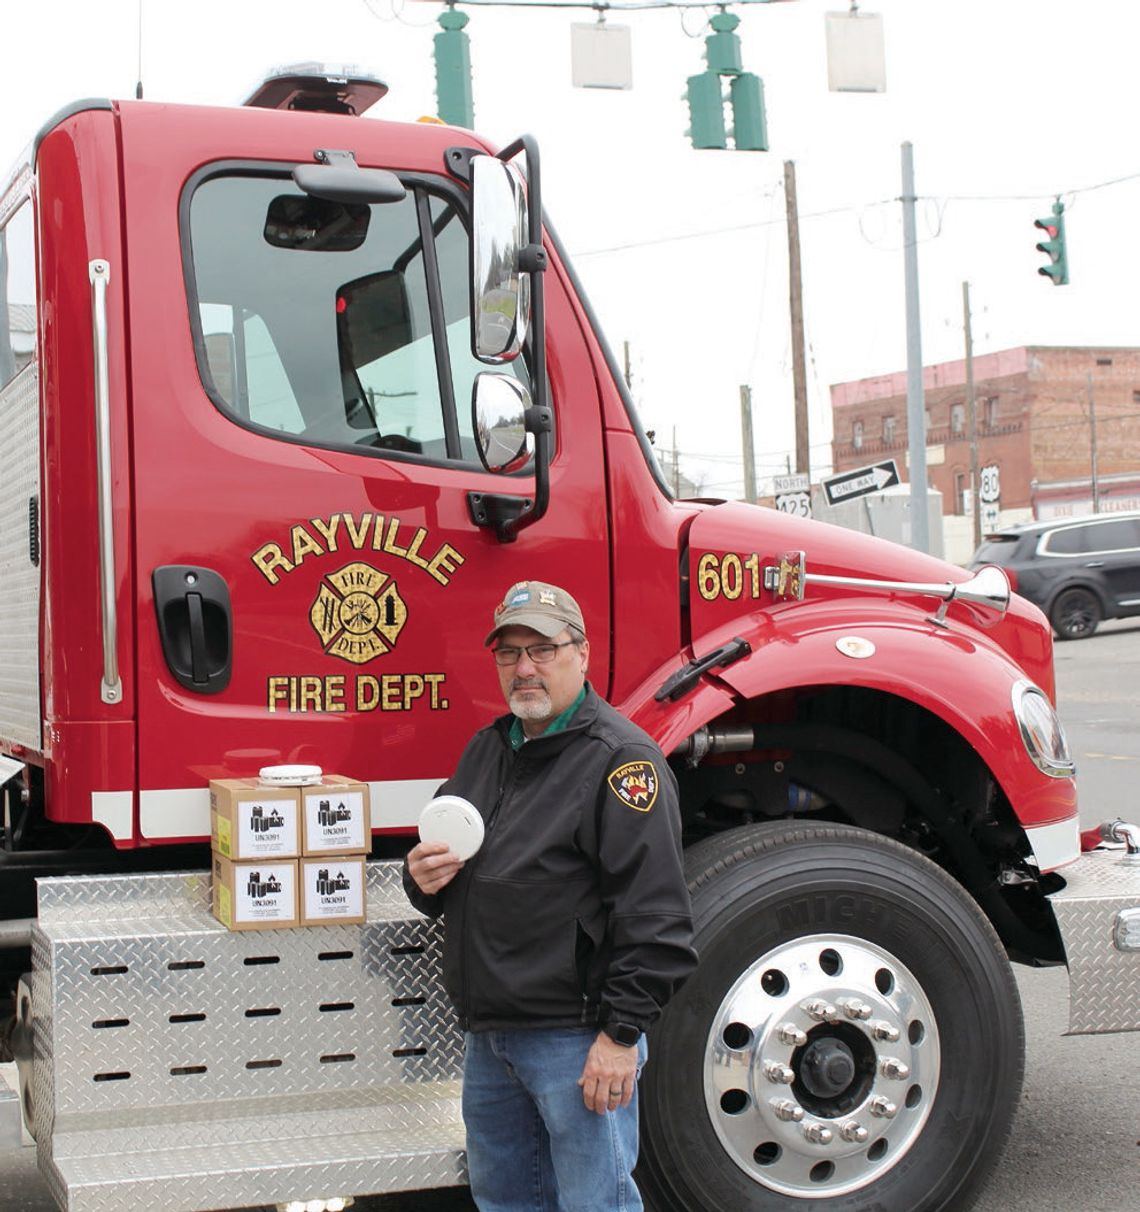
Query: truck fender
(951, 672)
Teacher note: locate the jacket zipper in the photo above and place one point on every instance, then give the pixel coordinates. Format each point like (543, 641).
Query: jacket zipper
(492, 817)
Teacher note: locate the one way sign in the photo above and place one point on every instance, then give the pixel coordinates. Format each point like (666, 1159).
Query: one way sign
(861, 481)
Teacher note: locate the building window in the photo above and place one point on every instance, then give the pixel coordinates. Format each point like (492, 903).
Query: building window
(889, 428)
(857, 435)
(960, 491)
(957, 418)
(991, 412)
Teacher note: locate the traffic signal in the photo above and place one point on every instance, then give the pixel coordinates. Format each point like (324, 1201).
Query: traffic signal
(1054, 227)
(453, 70)
(706, 111)
(746, 93)
(749, 126)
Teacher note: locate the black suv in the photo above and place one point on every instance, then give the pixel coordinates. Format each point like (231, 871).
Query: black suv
(1078, 570)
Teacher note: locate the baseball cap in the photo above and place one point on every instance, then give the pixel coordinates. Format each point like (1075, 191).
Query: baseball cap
(544, 608)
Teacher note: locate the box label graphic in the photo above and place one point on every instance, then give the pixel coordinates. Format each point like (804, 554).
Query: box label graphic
(332, 890)
(336, 817)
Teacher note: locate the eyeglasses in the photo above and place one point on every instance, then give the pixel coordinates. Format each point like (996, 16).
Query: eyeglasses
(540, 654)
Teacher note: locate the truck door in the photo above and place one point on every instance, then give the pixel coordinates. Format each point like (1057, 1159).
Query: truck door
(311, 584)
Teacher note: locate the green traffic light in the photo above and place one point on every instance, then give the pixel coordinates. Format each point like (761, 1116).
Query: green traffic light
(453, 70)
(706, 111)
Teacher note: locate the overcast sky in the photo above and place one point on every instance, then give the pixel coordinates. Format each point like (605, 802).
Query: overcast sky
(684, 252)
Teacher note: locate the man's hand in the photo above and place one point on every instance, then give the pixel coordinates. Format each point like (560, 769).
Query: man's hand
(609, 1075)
(433, 866)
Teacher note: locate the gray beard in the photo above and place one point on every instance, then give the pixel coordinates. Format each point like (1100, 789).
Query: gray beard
(531, 709)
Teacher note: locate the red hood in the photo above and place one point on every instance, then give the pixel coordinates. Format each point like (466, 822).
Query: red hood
(747, 530)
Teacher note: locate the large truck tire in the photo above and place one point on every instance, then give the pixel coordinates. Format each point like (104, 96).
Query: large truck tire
(852, 1040)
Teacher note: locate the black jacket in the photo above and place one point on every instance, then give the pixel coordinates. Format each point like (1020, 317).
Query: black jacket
(575, 910)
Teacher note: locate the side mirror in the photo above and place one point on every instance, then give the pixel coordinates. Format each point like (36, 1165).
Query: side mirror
(498, 417)
(985, 595)
(500, 290)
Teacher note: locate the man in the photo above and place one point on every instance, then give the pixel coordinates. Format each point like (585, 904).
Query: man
(569, 930)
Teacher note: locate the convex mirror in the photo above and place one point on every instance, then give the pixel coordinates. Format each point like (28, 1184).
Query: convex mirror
(498, 416)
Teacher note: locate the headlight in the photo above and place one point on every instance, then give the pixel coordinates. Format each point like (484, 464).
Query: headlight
(1041, 731)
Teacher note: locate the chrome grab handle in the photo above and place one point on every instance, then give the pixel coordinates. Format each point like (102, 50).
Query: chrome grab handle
(985, 594)
(99, 272)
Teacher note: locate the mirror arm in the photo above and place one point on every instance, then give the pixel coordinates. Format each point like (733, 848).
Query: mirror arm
(533, 260)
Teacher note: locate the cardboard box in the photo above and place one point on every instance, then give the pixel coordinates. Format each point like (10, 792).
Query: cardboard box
(332, 890)
(249, 821)
(335, 817)
(260, 895)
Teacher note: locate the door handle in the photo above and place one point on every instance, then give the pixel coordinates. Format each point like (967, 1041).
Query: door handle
(1095, 564)
(195, 625)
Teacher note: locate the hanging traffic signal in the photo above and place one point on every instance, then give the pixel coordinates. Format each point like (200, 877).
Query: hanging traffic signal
(749, 126)
(453, 70)
(706, 111)
(1054, 227)
(746, 93)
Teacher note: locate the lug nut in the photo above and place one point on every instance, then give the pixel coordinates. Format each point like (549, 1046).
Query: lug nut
(854, 1008)
(854, 1131)
(818, 1134)
(821, 1011)
(790, 1034)
(891, 1066)
(883, 1030)
(775, 1072)
(883, 1107)
(785, 1109)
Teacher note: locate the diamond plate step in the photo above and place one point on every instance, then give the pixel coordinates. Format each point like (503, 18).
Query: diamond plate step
(182, 1067)
(10, 1118)
(1104, 981)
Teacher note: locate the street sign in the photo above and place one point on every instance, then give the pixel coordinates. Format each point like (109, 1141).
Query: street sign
(796, 503)
(793, 494)
(861, 481)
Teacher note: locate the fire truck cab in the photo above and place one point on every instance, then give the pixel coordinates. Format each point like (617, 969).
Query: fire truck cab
(303, 393)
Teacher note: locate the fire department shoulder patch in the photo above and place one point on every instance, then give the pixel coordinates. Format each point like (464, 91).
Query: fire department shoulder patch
(635, 784)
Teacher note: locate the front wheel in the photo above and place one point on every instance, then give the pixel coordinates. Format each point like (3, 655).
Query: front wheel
(1075, 614)
(851, 1041)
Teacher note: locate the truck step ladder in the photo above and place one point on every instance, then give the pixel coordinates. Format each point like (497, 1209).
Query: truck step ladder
(181, 1067)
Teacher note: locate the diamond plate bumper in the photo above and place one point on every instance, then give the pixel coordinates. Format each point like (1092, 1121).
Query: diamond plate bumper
(180, 1067)
(1096, 912)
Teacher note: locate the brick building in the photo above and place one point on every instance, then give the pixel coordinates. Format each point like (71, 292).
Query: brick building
(1033, 425)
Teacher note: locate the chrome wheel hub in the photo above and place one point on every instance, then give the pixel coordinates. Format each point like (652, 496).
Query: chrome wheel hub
(821, 1065)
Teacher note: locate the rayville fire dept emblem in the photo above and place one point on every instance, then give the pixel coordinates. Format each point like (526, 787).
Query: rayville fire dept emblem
(358, 613)
(635, 784)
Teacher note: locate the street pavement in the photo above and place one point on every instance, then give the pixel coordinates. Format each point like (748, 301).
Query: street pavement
(1075, 1145)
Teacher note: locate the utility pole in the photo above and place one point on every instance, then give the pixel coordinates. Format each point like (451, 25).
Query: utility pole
(971, 408)
(1092, 446)
(796, 299)
(627, 370)
(915, 404)
(746, 444)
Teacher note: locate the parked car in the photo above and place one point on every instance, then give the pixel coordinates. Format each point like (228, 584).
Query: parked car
(1078, 570)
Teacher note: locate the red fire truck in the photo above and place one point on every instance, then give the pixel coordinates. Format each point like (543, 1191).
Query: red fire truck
(288, 397)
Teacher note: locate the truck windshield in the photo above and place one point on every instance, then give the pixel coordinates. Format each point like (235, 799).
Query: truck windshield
(326, 322)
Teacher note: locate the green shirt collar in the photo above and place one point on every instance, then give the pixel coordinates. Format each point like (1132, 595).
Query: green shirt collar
(560, 722)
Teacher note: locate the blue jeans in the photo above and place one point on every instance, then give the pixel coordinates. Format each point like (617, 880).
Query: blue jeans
(532, 1146)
